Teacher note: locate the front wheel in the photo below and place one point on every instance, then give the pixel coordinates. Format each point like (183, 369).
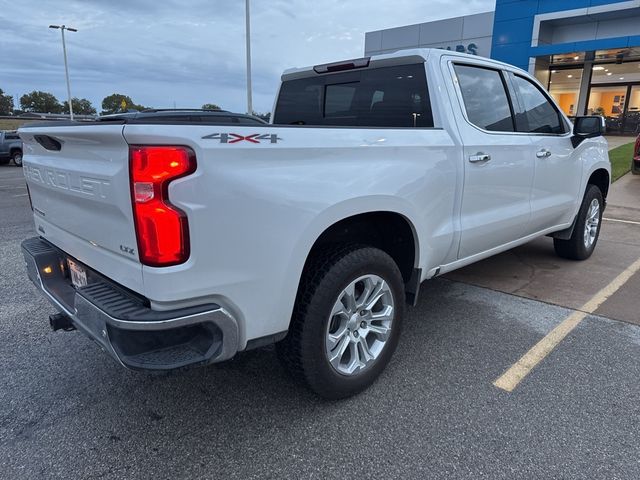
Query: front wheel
(17, 158)
(587, 229)
(346, 321)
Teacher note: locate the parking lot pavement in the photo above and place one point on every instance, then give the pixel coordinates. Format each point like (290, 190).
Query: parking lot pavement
(68, 411)
(534, 271)
(623, 201)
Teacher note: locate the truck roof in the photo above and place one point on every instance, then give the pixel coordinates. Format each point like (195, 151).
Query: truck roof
(401, 57)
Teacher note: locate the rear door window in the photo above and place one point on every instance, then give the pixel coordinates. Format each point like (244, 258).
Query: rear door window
(395, 97)
(485, 98)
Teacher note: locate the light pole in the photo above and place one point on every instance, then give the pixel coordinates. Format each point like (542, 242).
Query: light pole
(248, 38)
(66, 67)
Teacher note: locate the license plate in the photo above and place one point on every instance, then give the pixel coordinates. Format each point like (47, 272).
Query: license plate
(78, 274)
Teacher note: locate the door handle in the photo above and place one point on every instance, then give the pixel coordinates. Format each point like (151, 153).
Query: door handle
(479, 157)
(544, 153)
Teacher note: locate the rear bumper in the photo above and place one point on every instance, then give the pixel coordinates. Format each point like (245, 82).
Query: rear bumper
(123, 324)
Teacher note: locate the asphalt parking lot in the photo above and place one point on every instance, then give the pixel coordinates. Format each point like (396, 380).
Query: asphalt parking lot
(68, 411)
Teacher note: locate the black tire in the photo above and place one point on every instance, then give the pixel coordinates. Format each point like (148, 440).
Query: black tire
(303, 351)
(575, 247)
(17, 158)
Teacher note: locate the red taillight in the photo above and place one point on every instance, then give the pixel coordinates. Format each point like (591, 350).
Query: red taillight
(161, 228)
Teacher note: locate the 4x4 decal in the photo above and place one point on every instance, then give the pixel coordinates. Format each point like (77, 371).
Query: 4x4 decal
(235, 138)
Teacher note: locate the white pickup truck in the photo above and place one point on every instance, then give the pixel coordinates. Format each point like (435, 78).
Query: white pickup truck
(174, 241)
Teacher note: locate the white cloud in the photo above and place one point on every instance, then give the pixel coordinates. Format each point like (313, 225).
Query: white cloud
(161, 52)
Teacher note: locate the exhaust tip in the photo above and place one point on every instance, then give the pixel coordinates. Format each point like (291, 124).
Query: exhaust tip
(60, 321)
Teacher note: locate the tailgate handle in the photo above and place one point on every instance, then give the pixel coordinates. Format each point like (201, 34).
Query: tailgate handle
(48, 142)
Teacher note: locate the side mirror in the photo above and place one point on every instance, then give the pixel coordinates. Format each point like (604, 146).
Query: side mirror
(587, 127)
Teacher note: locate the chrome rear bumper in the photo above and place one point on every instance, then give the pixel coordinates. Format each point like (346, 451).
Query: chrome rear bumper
(122, 323)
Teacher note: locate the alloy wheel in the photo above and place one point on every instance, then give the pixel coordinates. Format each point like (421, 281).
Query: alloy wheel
(359, 325)
(592, 223)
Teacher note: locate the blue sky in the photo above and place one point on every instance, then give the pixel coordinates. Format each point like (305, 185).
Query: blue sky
(190, 52)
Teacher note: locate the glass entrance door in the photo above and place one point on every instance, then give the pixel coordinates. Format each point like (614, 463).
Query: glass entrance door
(619, 105)
(610, 103)
(632, 115)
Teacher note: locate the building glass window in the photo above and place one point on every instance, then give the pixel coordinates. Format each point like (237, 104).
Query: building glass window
(568, 58)
(617, 54)
(614, 93)
(632, 121)
(564, 87)
(607, 101)
(628, 72)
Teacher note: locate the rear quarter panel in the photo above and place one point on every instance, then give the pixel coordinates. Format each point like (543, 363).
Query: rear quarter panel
(255, 209)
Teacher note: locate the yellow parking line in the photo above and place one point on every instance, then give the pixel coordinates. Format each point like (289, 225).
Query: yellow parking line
(519, 370)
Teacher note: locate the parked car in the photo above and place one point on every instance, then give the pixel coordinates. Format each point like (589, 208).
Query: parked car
(635, 161)
(10, 148)
(174, 243)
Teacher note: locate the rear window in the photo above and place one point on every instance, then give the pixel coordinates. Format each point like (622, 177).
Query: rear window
(395, 97)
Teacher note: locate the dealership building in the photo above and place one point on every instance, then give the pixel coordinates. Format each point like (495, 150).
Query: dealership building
(586, 52)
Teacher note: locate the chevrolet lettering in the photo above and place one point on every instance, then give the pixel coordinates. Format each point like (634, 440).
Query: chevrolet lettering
(66, 180)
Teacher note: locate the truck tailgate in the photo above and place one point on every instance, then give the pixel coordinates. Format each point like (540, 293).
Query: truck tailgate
(81, 195)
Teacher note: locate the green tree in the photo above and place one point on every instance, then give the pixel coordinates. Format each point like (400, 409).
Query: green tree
(81, 106)
(210, 106)
(114, 104)
(6, 103)
(41, 102)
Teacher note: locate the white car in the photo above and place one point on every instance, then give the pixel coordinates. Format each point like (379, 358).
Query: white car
(174, 242)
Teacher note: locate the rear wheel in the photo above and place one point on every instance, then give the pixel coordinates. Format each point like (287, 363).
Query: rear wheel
(17, 158)
(346, 322)
(587, 229)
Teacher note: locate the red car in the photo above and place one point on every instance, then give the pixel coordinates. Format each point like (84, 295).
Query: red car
(635, 163)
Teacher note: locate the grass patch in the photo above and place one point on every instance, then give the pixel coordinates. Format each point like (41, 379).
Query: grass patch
(12, 124)
(621, 160)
